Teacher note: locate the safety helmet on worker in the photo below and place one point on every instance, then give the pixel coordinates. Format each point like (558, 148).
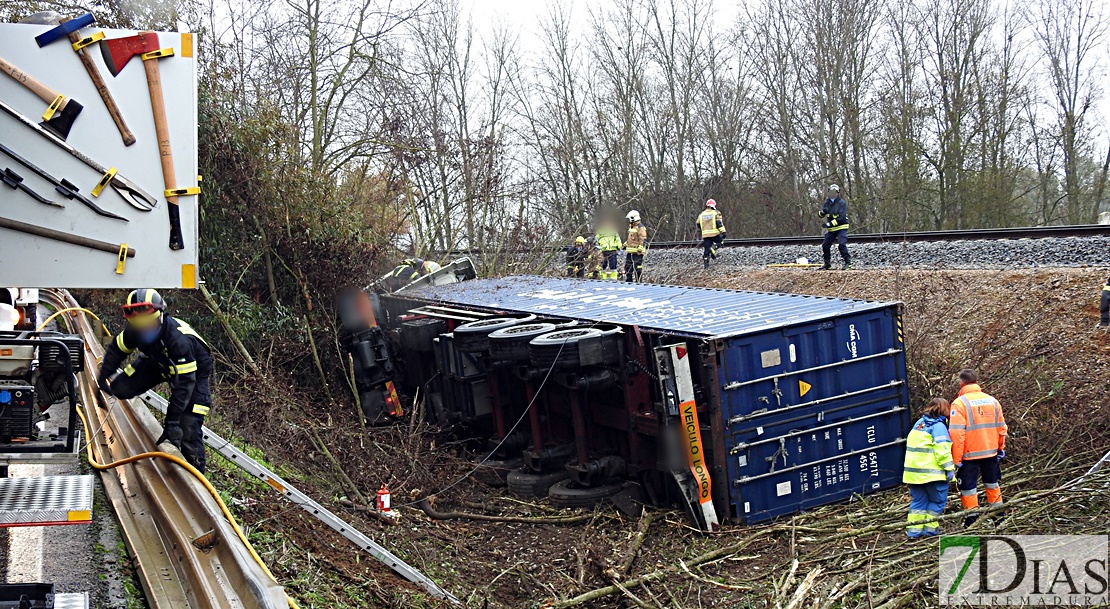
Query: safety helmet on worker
(580, 241)
(834, 188)
(415, 263)
(633, 216)
(429, 267)
(143, 308)
(711, 204)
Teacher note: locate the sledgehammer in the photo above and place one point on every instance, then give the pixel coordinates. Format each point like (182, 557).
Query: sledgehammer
(117, 52)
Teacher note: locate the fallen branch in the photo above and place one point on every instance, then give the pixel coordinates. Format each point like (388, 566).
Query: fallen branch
(633, 547)
(373, 513)
(434, 514)
(597, 593)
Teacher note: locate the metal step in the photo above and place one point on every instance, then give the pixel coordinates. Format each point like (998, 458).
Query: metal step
(314, 509)
(49, 500)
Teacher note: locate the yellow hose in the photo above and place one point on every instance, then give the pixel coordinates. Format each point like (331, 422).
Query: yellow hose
(196, 474)
(71, 310)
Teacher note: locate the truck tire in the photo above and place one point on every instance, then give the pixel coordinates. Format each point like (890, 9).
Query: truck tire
(559, 349)
(493, 472)
(567, 494)
(511, 344)
(473, 337)
(528, 485)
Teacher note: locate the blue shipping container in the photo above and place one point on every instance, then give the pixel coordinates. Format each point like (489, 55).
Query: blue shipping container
(814, 406)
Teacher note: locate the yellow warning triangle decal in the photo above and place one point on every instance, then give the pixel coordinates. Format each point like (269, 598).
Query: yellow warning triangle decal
(803, 388)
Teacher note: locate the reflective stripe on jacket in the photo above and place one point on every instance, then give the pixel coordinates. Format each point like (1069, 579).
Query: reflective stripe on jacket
(836, 210)
(711, 223)
(637, 237)
(608, 240)
(928, 452)
(977, 426)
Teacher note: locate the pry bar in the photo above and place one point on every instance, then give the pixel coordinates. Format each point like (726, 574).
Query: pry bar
(135, 196)
(15, 181)
(64, 187)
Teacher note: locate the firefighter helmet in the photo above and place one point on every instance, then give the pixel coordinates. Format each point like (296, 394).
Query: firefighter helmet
(711, 204)
(580, 241)
(144, 307)
(834, 188)
(429, 267)
(633, 216)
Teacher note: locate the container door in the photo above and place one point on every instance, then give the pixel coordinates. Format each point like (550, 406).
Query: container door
(814, 413)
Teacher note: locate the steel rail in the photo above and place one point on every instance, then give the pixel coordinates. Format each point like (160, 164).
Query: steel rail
(161, 508)
(1026, 232)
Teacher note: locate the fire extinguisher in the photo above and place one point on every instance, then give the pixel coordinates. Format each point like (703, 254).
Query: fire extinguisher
(382, 502)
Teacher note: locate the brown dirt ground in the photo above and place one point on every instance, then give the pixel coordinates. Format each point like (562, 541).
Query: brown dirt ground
(1030, 333)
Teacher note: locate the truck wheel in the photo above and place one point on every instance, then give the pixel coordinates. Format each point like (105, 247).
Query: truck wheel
(512, 343)
(528, 485)
(473, 337)
(567, 494)
(493, 472)
(559, 349)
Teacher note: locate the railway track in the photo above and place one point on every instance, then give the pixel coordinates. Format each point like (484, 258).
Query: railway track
(187, 553)
(1029, 232)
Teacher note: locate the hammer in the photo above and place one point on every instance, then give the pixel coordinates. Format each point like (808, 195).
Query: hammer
(69, 27)
(117, 52)
(62, 111)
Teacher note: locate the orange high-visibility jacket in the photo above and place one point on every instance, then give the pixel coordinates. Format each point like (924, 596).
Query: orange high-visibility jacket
(977, 426)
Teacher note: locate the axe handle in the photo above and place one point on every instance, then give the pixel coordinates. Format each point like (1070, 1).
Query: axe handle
(102, 88)
(162, 131)
(64, 237)
(44, 92)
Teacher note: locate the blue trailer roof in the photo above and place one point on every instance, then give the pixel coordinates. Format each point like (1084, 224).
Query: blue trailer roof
(688, 311)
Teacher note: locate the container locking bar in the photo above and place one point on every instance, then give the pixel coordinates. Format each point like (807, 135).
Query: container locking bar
(801, 432)
(746, 479)
(761, 413)
(738, 384)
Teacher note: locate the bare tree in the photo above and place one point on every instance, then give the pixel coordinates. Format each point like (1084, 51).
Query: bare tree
(1071, 34)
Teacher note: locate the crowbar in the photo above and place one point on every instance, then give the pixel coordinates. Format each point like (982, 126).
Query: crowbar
(57, 235)
(135, 196)
(64, 187)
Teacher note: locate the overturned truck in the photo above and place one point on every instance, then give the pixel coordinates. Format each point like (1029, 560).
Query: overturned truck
(737, 406)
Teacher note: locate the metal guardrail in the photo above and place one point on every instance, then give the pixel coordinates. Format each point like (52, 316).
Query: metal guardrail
(162, 509)
(1027, 232)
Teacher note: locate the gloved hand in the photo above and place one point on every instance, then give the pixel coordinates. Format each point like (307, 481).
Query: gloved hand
(722, 236)
(1001, 455)
(105, 386)
(172, 433)
(827, 224)
(950, 475)
(820, 213)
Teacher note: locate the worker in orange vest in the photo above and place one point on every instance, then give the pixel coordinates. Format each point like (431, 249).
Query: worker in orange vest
(978, 432)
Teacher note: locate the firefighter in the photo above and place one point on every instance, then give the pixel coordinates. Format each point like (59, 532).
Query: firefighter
(835, 212)
(576, 258)
(928, 469)
(408, 271)
(635, 247)
(978, 431)
(169, 350)
(712, 226)
(1104, 306)
(609, 241)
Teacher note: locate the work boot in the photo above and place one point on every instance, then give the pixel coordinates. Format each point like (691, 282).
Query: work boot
(846, 267)
(705, 262)
(828, 264)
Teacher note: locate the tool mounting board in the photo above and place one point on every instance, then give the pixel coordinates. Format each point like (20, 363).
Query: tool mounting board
(30, 261)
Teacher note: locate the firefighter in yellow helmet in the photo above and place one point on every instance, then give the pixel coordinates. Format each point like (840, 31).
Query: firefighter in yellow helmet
(168, 350)
(635, 247)
(576, 258)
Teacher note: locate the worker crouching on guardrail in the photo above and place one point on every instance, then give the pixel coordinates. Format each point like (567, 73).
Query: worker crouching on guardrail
(928, 469)
(169, 350)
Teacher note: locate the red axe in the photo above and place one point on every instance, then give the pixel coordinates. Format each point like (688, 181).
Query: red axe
(117, 52)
